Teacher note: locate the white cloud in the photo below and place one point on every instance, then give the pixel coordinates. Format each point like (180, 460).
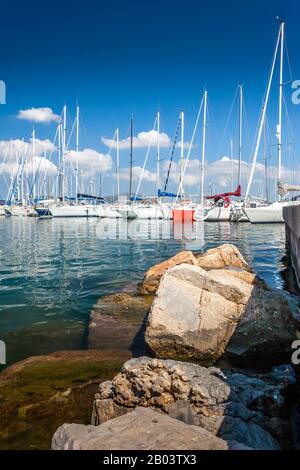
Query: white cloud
(12, 151)
(33, 165)
(88, 160)
(44, 115)
(222, 175)
(186, 145)
(43, 165)
(142, 140)
(148, 176)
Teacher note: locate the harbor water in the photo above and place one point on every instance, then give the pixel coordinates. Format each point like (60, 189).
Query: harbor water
(52, 271)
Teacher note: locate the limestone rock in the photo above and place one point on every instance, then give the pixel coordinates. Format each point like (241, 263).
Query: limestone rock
(195, 312)
(181, 410)
(143, 429)
(105, 409)
(248, 408)
(153, 275)
(200, 315)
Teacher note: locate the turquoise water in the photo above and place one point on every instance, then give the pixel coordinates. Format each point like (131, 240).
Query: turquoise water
(53, 271)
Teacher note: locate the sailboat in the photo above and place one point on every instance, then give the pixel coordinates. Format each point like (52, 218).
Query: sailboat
(186, 210)
(143, 208)
(17, 210)
(65, 208)
(126, 211)
(111, 210)
(270, 213)
(150, 208)
(222, 208)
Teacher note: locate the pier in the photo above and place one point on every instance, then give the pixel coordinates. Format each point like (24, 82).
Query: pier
(291, 217)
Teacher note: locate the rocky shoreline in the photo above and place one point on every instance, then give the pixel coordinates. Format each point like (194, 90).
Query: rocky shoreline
(190, 315)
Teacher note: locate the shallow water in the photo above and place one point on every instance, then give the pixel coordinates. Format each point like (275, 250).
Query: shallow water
(53, 271)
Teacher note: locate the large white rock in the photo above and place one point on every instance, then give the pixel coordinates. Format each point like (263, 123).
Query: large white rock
(143, 429)
(196, 313)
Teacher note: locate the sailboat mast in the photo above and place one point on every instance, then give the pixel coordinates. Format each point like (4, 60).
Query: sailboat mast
(118, 164)
(262, 119)
(77, 150)
(59, 163)
(131, 157)
(231, 158)
(64, 151)
(22, 176)
(279, 130)
(265, 161)
(158, 154)
(240, 135)
(181, 153)
(203, 148)
(33, 163)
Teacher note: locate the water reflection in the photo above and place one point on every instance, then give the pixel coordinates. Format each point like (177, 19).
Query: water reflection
(53, 271)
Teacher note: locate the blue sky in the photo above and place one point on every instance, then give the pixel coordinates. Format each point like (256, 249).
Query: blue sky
(120, 58)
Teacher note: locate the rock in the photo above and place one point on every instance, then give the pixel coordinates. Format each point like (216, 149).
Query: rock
(40, 393)
(118, 321)
(153, 275)
(268, 326)
(249, 408)
(222, 256)
(235, 429)
(105, 409)
(181, 410)
(143, 429)
(234, 445)
(200, 315)
(195, 312)
(226, 255)
(153, 382)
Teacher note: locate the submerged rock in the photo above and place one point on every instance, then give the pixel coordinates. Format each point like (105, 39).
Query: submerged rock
(201, 313)
(251, 409)
(143, 429)
(40, 393)
(118, 321)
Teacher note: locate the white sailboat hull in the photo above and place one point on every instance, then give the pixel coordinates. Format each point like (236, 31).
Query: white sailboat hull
(17, 211)
(218, 214)
(167, 212)
(73, 211)
(270, 214)
(112, 213)
(99, 211)
(151, 212)
(127, 213)
(2, 211)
